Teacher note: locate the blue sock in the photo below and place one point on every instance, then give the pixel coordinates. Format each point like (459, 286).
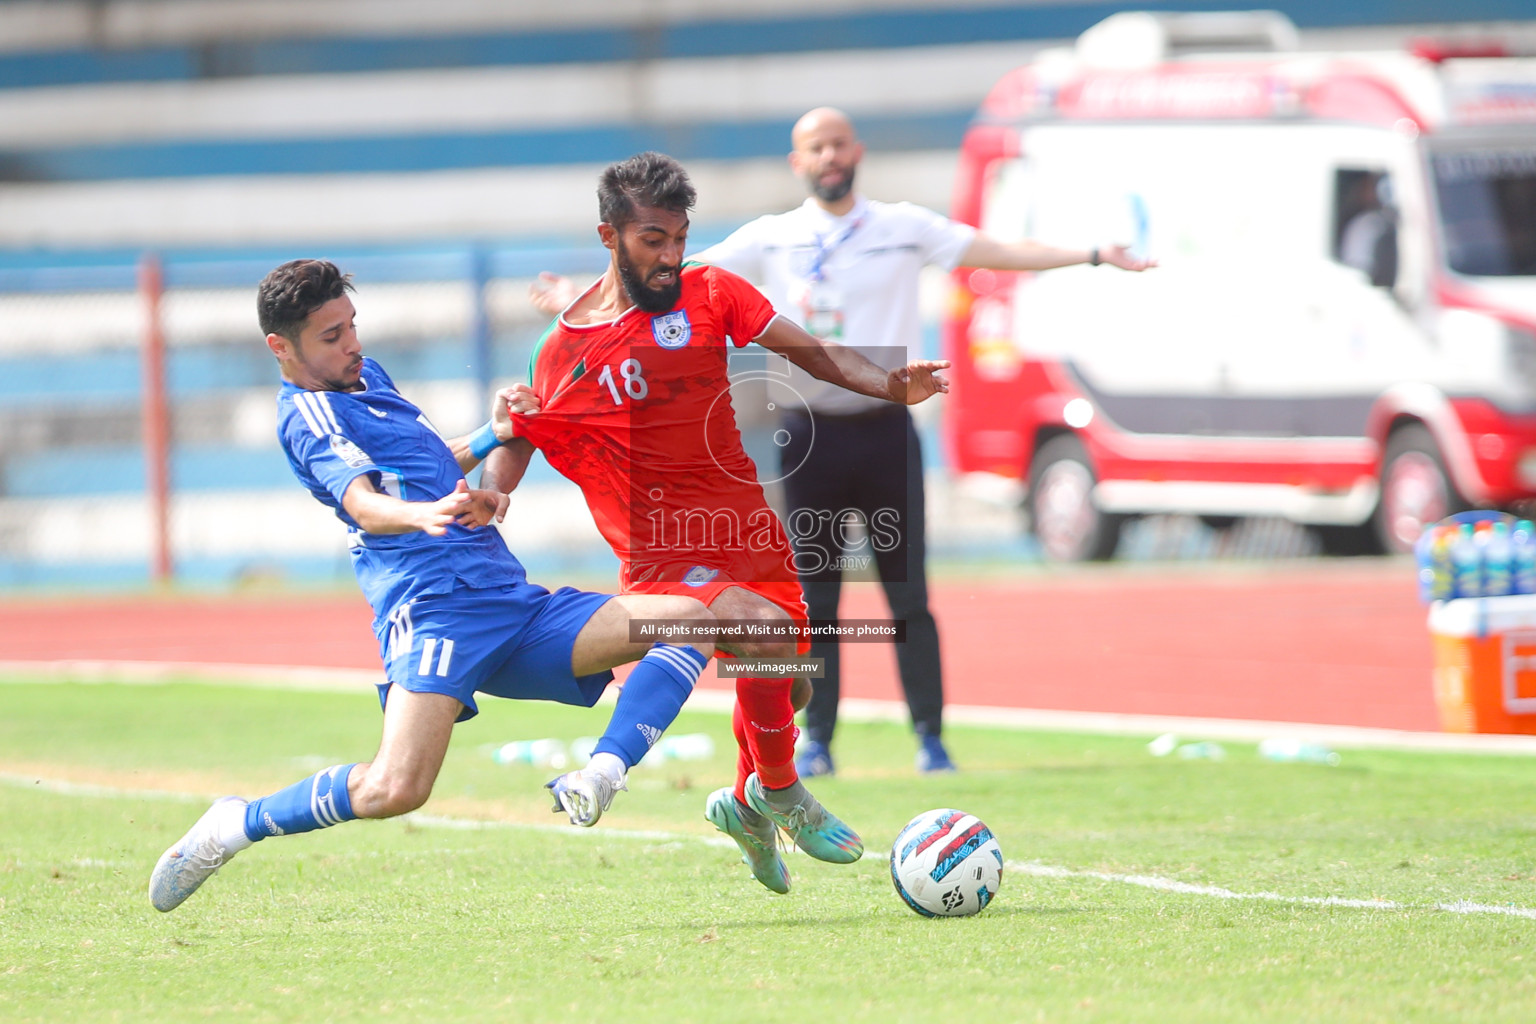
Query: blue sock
(652, 696)
(319, 801)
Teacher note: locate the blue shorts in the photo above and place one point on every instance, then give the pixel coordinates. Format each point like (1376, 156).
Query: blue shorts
(512, 641)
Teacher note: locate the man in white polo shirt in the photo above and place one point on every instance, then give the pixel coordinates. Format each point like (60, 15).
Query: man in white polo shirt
(846, 269)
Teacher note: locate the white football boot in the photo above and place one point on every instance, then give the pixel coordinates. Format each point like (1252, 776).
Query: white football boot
(755, 835)
(192, 860)
(584, 795)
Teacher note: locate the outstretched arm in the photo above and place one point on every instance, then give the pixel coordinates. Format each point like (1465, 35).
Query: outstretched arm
(504, 467)
(991, 254)
(470, 449)
(380, 513)
(848, 368)
(466, 449)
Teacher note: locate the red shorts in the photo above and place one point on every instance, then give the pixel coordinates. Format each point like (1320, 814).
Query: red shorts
(766, 575)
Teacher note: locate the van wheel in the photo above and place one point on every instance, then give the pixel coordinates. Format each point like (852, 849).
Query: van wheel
(1063, 517)
(1416, 491)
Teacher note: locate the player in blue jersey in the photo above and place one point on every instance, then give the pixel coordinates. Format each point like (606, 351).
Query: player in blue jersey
(453, 612)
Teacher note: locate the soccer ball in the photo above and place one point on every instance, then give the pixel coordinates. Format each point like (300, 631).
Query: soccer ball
(946, 863)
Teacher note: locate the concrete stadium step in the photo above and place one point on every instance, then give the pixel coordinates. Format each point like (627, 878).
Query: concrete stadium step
(146, 41)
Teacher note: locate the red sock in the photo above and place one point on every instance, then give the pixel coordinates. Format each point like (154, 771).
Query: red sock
(744, 764)
(770, 728)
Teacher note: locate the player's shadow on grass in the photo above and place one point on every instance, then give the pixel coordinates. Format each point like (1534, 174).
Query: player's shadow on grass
(815, 921)
(758, 925)
(1037, 910)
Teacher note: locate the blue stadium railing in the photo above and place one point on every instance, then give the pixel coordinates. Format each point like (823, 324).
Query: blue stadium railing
(69, 418)
(449, 150)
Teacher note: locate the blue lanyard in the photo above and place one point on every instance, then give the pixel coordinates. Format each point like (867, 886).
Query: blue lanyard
(824, 248)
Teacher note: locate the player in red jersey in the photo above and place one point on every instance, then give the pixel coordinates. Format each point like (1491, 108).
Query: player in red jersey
(630, 399)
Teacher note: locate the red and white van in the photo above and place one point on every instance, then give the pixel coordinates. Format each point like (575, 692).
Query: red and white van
(1342, 331)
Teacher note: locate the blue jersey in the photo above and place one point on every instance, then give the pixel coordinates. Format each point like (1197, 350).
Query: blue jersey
(333, 437)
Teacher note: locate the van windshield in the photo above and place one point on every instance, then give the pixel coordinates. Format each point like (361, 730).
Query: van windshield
(1487, 198)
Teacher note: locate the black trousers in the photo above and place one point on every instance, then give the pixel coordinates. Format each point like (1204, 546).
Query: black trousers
(872, 467)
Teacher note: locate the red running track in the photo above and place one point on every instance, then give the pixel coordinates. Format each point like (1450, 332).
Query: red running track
(1333, 642)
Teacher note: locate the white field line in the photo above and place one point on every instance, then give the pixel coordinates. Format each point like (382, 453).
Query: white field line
(1036, 869)
(1190, 889)
(653, 835)
(86, 789)
(706, 698)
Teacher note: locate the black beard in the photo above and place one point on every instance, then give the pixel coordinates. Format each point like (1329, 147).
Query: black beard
(650, 300)
(338, 384)
(836, 190)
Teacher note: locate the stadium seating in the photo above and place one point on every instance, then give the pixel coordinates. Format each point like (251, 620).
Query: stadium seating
(144, 132)
(443, 152)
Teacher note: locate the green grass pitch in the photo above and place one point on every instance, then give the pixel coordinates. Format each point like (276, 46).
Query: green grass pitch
(486, 909)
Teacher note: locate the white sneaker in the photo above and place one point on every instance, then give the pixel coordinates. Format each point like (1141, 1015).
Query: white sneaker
(192, 861)
(583, 795)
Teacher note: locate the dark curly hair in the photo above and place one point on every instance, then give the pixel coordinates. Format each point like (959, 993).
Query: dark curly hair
(288, 295)
(646, 179)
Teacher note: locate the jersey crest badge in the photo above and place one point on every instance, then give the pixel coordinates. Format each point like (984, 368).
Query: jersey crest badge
(349, 453)
(699, 575)
(672, 330)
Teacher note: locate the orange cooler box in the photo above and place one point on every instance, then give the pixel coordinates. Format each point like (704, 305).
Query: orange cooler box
(1485, 663)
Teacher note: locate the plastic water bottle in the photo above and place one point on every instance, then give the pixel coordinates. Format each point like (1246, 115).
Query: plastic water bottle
(1204, 751)
(691, 746)
(545, 753)
(1497, 573)
(1286, 749)
(581, 749)
(1464, 563)
(1440, 559)
(1422, 549)
(1163, 745)
(1433, 553)
(694, 746)
(1522, 558)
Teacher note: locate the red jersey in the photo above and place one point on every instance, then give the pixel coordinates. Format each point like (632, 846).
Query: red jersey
(637, 413)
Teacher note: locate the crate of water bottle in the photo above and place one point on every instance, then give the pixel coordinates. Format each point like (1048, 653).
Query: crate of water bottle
(1484, 675)
(1476, 554)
